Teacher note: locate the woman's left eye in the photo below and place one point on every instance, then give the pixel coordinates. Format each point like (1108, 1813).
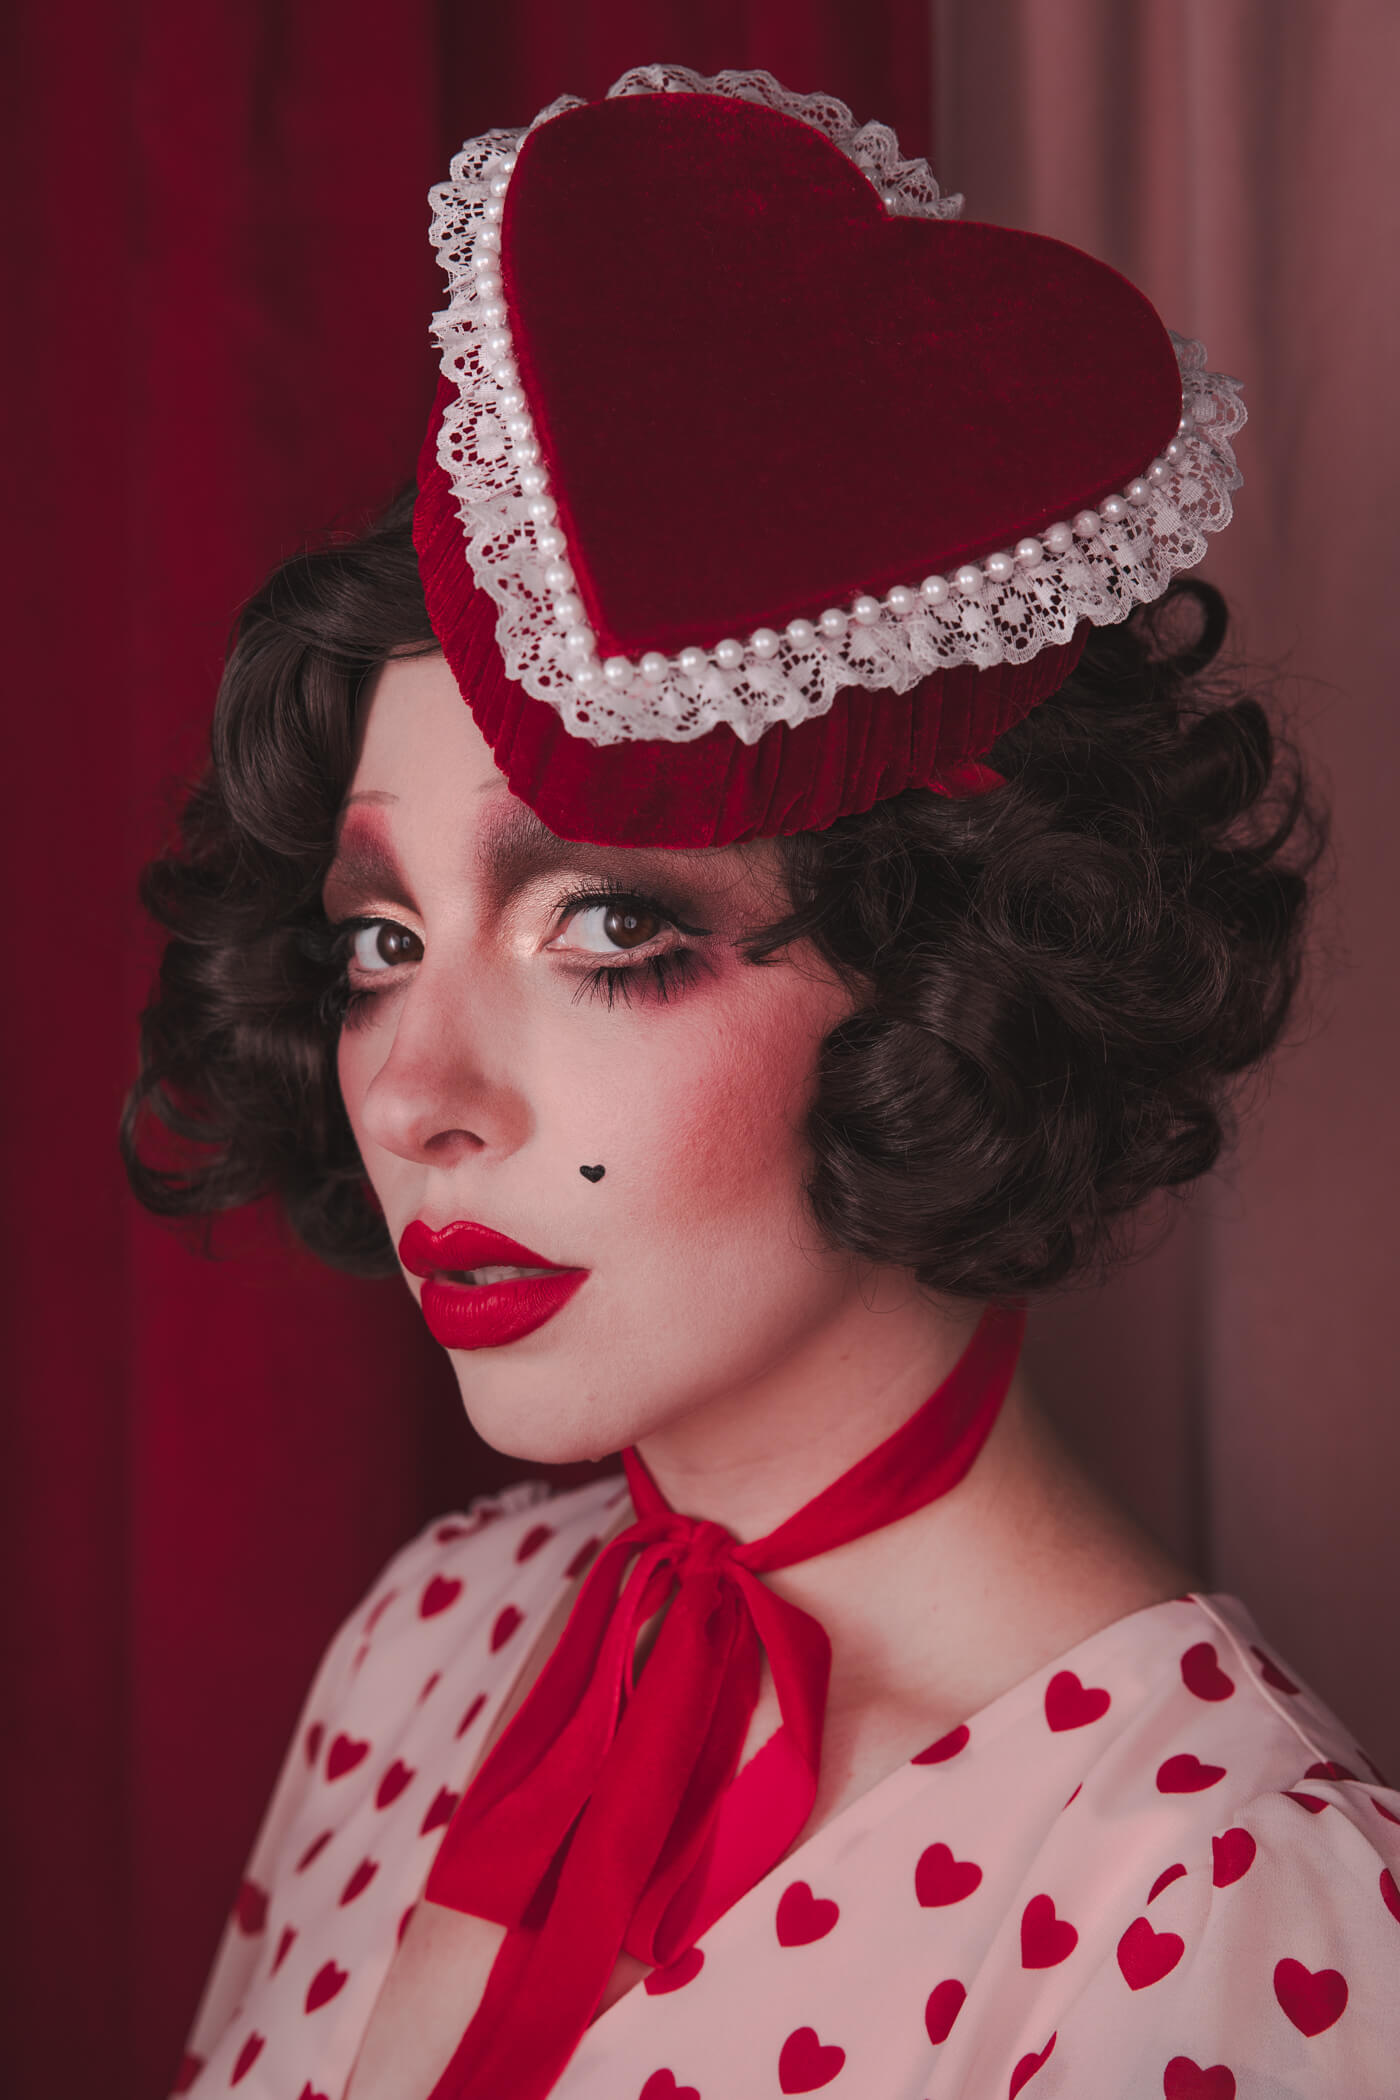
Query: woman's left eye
(611, 927)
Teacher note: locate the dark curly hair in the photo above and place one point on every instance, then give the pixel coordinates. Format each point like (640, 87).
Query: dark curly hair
(1060, 984)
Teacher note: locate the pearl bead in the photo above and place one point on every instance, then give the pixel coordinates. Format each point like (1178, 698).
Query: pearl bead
(532, 480)
(492, 313)
(585, 675)
(764, 642)
(866, 611)
(617, 671)
(1029, 553)
(729, 654)
(901, 599)
(497, 346)
(517, 427)
(542, 509)
(527, 453)
(1176, 450)
(1113, 508)
(500, 186)
(801, 633)
(998, 567)
(579, 642)
(832, 624)
(549, 541)
(1158, 472)
(559, 576)
(568, 610)
(969, 578)
(934, 589)
(512, 402)
(487, 240)
(504, 373)
(692, 662)
(653, 667)
(1086, 524)
(493, 208)
(1138, 491)
(488, 284)
(508, 164)
(1057, 539)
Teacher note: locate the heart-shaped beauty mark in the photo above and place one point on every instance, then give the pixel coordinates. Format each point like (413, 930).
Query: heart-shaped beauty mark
(1233, 1852)
(676, 1975)
(662, 2086)
(284, 1947)
(360, 1880)
(1027, 2068)
(438, 1594)
(1314, 1999)
(246, 2058)
(1070, 1704)
(444, 1804)
(398, 1776)
(947, 1746)
(326, 1984)
(1201, 1673)
(1185, 1774)
(343, 1756)
(939, 1878)
(803, 1917)
(506, 1623)
(1045, 1939)
(805, 2064)
(988, 363)
(1271, 1673)
(1165, 1879)
(1184, 2079)
(250, 1907)
(592, 1173)
(538, 1535)
(1390, 1894)
(945, 2002)
(1146, 1956)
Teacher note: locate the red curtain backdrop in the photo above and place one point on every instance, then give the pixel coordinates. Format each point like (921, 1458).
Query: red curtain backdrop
(216, 346)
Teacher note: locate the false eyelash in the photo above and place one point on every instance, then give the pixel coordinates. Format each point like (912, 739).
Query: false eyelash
(668, 975)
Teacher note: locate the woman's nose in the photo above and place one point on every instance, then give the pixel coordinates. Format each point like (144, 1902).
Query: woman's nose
(447, 1086)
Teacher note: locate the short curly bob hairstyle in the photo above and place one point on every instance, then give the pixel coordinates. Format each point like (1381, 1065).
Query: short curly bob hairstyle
(1059, 985)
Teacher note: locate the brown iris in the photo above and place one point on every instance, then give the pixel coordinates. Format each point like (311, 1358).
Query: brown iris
(395, 944)
(629, 926)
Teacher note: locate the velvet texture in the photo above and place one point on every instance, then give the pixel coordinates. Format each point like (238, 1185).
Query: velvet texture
(757, 394)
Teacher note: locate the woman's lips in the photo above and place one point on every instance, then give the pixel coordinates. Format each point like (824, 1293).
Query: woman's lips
(485, 1314)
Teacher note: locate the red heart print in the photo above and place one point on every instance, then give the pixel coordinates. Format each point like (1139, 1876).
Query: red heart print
(803, 1917)
(360, 1880)
(1185, 2080)
(431, 1686)
(504, 1627)
(805, 2064)
(360, 1653)
(313, 1851)
(379, 1610)
(662, 2086)
(1146, 1956)
(1027, 2068)
(1233, 1852)
(945, 2002)
(326, 1984)
(190, 2068)
(1329, 1769)
(1390, 1894)
(308, 2093)
(1271, 1673)
(345, 1753)
(1070, 1704)
(585, 1554)
(1314, 1999)
(247, 2056)
(440, 1812)
(1045, 1939)
(1313, 1803)
(1074, 1796)
(947, 1746)
(437, 1595)
(1201, 1673)
(289, 1933)
(445, 1533)
(313, 1742)
(676, 1974)
(1185, 1774)
(250, 1908)
(471, 1713)
(1165, 1879)
(538, 1536)
(1388, 1813)
(939, 1878)
(398, 1776)
(403, 1924)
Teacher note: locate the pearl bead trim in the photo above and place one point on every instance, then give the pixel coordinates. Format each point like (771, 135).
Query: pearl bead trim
(1007, 605)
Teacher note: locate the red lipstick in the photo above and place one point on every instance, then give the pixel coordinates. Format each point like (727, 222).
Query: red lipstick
(486, 1314)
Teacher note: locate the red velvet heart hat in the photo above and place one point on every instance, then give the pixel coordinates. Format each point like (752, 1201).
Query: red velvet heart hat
(760, 485)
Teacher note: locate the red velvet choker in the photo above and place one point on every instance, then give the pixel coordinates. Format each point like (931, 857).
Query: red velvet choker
(609, 1817)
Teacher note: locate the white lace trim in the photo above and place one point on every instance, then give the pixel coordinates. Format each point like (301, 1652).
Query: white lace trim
(1005, 608)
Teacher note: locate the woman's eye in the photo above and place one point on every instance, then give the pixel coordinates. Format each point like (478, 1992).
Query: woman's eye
(603, 929)
(381, 945)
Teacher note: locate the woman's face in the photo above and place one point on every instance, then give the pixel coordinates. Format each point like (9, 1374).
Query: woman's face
(523, 1008)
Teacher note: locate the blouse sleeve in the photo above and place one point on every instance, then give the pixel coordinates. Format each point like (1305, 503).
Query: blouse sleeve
(1272, 1966)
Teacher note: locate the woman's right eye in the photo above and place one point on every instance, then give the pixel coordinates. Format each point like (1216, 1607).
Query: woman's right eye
(380, 944)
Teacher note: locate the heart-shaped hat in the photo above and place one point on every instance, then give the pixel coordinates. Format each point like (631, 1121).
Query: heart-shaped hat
(759, 484)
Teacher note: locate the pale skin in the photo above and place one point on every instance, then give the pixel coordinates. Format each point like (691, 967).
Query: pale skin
(749, 1363)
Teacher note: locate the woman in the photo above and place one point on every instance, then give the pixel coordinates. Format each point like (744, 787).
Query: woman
(736, 1037)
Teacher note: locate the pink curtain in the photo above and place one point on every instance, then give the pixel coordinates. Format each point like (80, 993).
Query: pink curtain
(221, 347)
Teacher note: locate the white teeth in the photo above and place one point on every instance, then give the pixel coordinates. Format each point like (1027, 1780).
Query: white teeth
(498, 1275)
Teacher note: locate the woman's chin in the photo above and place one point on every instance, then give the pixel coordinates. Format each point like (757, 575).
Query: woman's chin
(535, 1427)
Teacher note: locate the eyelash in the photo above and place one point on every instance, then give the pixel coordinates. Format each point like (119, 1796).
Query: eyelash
(659, 977)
